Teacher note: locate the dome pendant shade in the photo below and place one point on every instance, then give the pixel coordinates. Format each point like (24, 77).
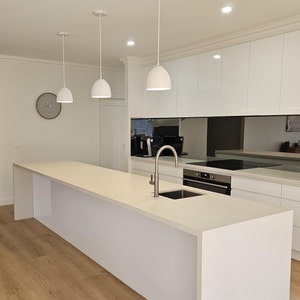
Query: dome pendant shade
(101, 89)
(158, 79)
(64, 95)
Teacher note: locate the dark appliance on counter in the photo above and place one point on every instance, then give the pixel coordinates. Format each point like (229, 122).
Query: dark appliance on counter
(166, 131)
(145, 146)
(135, 145)
(176, 142)
(142, 145)
(207, 181)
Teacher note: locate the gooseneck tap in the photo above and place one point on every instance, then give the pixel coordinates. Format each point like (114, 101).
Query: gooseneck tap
(155, 182)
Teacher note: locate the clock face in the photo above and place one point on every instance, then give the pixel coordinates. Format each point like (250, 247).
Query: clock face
(47, 107)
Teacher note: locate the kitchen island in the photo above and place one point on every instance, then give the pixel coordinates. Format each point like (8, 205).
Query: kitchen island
(206, 247)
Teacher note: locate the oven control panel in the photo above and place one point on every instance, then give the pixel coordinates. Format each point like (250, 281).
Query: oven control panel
(204, 175)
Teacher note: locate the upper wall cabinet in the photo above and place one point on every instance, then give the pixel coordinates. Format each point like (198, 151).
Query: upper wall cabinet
(209, 83)
(234, 88)
(290, 87)
(161, 103)
(265, 76)
(187, 90)
(256, 78)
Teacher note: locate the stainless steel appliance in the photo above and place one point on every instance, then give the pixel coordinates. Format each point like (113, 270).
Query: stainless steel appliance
(212, 181)
(207, 181)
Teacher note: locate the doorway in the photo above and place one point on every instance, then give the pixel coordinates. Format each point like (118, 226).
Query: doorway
(224, 133)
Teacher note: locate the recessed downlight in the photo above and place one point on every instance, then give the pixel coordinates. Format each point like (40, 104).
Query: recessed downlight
(130, 43)
(217, 56)
(226, 9)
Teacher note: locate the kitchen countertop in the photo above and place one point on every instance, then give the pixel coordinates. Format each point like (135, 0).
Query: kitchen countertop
(278, 174)
(273, 175)
(263, 154)
(182, 160)
(192, 215)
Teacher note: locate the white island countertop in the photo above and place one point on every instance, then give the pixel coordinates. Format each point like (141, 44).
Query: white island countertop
(180, 249)
(192, 215)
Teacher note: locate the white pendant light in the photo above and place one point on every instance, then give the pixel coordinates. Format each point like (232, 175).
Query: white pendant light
(158, 78)
(64, 95)
(101, 88)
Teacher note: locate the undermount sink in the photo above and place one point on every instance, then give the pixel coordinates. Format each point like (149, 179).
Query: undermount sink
(179, 194)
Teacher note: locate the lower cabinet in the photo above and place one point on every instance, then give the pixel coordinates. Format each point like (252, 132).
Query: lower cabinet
(274, 194)
(256, 190)
(291, 200)
(262, 198)
(167, 171)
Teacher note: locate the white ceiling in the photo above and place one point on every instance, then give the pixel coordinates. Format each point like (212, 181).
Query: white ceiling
(28, 28)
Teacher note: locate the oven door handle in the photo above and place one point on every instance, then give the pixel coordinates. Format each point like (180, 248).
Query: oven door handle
(207, 183)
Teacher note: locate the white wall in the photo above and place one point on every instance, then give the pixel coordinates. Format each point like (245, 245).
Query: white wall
(267, 133)
(26, 136)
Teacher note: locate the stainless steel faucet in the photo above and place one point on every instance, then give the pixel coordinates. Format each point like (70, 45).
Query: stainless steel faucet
(155, 182)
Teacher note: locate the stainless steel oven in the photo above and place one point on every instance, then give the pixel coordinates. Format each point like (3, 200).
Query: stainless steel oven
(207, 181)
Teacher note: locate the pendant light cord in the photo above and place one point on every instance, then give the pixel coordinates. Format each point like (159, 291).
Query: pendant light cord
(63, 48)
(100, 48)
(158, 31)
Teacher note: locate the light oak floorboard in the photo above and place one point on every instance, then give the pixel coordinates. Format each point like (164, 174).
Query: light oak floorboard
(36, 264)
(295, 280)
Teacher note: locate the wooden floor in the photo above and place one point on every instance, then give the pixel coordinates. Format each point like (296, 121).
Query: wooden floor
(37, 264)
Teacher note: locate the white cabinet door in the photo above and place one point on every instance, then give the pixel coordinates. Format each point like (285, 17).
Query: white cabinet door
(187, 86)
(209, 84)
(296, 238)
(291, 192)
(159, 104)
(256, 186)
(295, 206)
(265, 76)
(290, 88)
(262, 198)
(234, 84)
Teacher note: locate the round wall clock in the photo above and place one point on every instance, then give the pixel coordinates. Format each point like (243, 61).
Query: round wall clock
(47, 107)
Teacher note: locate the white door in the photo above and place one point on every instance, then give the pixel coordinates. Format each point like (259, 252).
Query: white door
(113, 134)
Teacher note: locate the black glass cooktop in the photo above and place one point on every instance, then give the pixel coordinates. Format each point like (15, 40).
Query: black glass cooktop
(232, 164)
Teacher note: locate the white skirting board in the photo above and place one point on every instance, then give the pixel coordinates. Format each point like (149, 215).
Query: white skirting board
(6, 200)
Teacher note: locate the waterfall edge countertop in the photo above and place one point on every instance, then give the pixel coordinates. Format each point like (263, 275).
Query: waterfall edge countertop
(192, 215)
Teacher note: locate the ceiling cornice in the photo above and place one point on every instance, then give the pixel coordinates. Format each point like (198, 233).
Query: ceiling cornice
(53, 62)
(131, 59)
(247, 35)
